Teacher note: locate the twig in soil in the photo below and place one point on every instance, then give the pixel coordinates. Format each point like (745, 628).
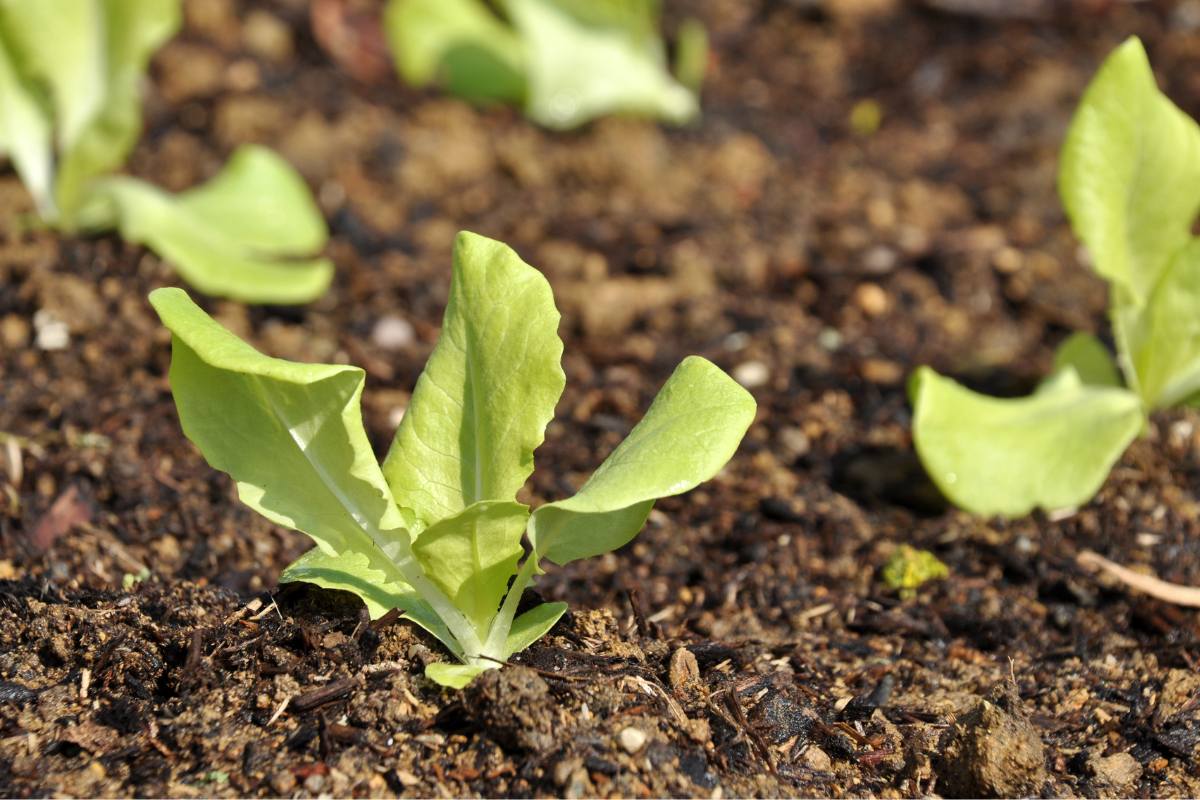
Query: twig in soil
(760, 746)
(107, 653)
(1147, 584)
(85, 680)
(326, 694)
(646, 628)
(279, 711)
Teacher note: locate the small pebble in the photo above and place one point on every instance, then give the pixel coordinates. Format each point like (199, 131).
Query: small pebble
(817, 759)
(283, 782)
(393, 333)
(752, 374)
(632, 740)
(871, 299)
(52, 332)
(314, 783)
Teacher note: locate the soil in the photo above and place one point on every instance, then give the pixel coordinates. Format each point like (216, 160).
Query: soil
(745, 644)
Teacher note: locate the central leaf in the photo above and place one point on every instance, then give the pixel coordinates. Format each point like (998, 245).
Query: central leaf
(481, 406)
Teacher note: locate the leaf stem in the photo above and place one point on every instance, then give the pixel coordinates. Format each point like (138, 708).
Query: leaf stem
(501, 626)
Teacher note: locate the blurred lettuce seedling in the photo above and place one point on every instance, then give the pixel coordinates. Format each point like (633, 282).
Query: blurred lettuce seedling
(564, 61)
(1129, 178)
(70, 113)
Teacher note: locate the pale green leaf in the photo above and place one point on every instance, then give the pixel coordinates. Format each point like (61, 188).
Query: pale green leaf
(453, 676)
(1164, 338)
(481, 406)
(1052, 449)
(462, 43)
(61, 43)
(26, 136)
(262, 203)
(690, 431)
(212, 234)
(290, 434)
(133, 30)
(579, 70)
(1090, 359)
(1130, 174)
(379, 588)
(472, 555)
(532, 625)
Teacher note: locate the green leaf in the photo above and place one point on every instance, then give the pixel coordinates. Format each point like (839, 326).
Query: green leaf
(1130, 174)
(1052, 449)
(1164, 338)
(290, 434)
(691, 430)
(237, 236)
(579, 70)
(453, 676)
(1090, 359)
(471, 556)
(381, 589)
(532, 625)
(60, 43)
(25, 134)
(461, 42)
(481, 406)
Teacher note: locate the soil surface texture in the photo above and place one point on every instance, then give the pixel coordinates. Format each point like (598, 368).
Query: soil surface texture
(871, 188)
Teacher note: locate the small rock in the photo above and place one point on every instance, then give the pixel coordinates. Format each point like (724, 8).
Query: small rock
(684, 672)
(817, 759)
(992, 751)
(871, 298)
(393, 333)
(14, 332)
(314, 783)
(752, 374)
(1114, 775)
(52, 332)
(564, 769)
(406, 778)
(267, 36)
(283, 782)
(632, 739)
(879, 260)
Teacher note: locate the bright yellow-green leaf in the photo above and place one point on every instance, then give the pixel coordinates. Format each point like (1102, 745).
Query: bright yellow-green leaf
(1052, 449)
(240, 235)
(462, 43)
(472, 555)
(26, 135)
(1090, 359)
(532, 625)
(481, 405)
(1164, 338)
(453, 676)
(690, 431)
(579, 70)
(1130, 174)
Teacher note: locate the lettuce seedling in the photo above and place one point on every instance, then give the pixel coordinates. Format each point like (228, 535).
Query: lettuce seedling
(437, 531)
(1129, 178)
(70, 113)
(565, 61)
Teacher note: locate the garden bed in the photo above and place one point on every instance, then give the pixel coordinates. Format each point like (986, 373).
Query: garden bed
(745, 643)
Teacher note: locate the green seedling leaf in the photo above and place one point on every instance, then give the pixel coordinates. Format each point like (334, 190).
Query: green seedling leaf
(481, 405)
(472, 555)
(532, 625)
(1090, 359)
(380, 589)
(440, 536)
(908, 569)
(240, 235)
(691, 54)
(690, 431)
(579, 71)
(460, 42)
(290, 434)
(26, 136)
(1052, 449)
(453, 676)
(1163, 340)
(1130, 174)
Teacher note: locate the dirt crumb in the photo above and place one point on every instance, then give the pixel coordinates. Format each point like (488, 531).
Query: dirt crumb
(993, 750)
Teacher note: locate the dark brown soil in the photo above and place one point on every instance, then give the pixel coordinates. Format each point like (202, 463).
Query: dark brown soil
(745, 643)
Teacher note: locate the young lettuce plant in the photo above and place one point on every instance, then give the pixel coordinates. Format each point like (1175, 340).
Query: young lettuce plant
(1130, 181)
(565, 61)
(437, 531)
(70, 113)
